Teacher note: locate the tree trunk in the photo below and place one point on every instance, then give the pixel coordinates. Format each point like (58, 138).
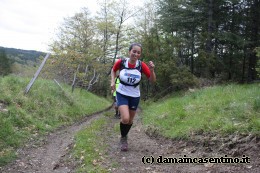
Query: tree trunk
(192, 53)
(210, 27)
(252, 73)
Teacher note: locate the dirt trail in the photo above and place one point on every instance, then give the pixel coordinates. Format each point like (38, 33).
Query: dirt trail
(48, 155)
(141, 144)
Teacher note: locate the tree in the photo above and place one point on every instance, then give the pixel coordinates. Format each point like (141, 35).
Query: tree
(162, 45)
(209, 39)
(216, 38)
(76, 45)
(106, 29)
(253, 27)
(122, 12)
(5, 65)
(258, 61)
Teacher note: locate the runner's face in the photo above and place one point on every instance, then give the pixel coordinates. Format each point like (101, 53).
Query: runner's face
(135, 53)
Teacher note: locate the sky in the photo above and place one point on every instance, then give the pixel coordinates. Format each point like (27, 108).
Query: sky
(32, 24)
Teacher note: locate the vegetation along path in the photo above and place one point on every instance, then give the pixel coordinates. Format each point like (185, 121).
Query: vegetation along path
(52, 154)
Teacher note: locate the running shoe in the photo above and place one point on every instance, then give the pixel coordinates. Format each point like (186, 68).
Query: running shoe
(124, 145)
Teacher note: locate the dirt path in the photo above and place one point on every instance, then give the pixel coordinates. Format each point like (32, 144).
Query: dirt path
(48, 155)
(141, 144)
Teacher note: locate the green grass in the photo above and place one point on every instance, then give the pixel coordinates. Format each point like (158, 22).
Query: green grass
(89, 147)
(43, 109)
(217, 110)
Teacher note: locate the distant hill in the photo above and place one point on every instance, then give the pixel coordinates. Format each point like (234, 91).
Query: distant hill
(24, 57)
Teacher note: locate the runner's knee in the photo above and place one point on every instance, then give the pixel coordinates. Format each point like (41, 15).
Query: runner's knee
(125, 120)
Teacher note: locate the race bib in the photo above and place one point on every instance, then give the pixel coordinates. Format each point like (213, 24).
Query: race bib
(130, 76)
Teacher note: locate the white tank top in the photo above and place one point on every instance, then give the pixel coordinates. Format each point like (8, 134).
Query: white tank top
(129, 77)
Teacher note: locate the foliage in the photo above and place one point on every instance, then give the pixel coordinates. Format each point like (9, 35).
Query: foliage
(87, 46)
(23, 56)
(25, 116)
(216, 38)
(222, 110)
(23, 62)
(78, 48)
(181, 78)
(5, 66)
(258, 61)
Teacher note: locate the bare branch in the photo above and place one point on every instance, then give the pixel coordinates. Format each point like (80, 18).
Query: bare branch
(92, 82)
(75, 77)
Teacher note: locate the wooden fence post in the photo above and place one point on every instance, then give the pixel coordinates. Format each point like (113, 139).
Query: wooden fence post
(36, 74)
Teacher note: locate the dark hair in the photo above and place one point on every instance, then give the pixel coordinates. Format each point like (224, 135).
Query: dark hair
(135, 44)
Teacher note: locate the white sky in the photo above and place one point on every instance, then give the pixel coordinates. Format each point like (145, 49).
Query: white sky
(31, 24)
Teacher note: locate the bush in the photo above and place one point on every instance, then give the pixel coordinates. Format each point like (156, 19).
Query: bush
(182, 78)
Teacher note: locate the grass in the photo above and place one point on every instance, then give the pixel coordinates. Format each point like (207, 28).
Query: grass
(45, 108)
(220, 109)
(89, 147)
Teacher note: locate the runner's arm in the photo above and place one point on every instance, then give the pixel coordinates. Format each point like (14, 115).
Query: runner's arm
(148, 70)
(113, 74)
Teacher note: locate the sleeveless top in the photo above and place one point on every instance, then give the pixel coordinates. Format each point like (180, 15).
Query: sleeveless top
(129, 79)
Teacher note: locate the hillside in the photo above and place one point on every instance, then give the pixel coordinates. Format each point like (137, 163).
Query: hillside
(45, 108)
(91, 144)
(218, 110)
(25, 57)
